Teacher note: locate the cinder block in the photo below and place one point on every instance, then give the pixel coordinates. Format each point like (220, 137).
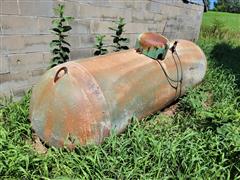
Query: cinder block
(87, 41)
(98, 2)
(5, 89)
(4, 64)
(74, 41)
(127, 5)
(19, 79)
(142, 16)
(38, 72)
(10, 83)
(159, 18)
(37, 43)
(4, 78)
(20, 92)
(26, 62)
(100, 12)
(44, 25)
(12, 44)
(158, 27)
(25, 44)
(47, 58)
(36, 76)
(8, 7)
(37, 8)
(81, 53)
(138, 5)
(80, 27)
(137, 27)
(72, 8)
(132, 39)
(18, 25)
(101, 27)
(154, 7)
(81, 41)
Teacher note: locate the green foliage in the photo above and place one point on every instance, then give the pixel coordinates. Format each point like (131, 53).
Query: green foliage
(221, 26)
(216, 30)
(119, 42)
(99, 45)
(60, 47)
(232, 6)
(230, 20)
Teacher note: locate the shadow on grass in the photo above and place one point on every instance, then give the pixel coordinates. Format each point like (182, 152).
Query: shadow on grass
(228, 56)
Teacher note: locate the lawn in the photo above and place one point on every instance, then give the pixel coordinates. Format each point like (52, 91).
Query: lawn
(201, 140)
(230, 20)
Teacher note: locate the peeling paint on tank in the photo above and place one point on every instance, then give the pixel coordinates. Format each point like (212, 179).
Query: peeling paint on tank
(93, 97)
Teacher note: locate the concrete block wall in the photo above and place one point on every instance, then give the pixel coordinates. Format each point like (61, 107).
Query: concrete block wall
(25, 35)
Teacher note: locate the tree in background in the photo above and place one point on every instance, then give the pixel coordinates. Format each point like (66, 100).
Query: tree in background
(232, 6)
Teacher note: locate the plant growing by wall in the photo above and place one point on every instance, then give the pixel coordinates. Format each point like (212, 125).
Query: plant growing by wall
(119, 42)
(99, 45)
(60, 47)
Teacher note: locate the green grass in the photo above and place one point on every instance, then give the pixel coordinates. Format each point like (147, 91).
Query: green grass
(202, 140)
(230, 20)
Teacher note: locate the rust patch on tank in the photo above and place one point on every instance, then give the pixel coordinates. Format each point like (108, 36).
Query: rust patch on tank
(102, 93)
(150, 39)
(48, 126)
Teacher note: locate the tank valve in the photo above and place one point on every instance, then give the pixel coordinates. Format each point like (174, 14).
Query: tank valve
(173, 48)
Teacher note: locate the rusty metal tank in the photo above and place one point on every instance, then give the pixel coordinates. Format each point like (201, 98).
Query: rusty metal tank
(81, 102)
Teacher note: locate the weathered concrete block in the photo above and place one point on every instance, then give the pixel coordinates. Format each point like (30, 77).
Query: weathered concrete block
(47, 56)
(37, 8)
(74, 40)
(4, 64)
(132, 39)
(18, 24)
(135, 4)
(44, 25)
(36, 76)
(37, 43)
(128, 5)
(9, 7)
(10, 83)
(142, 16)
(38, 72)
(137, 27)
(80, 26)
(81, 53)
(12, 44)
(22, 44)
(155, 7)
(4, 78)
(101, 27)
(5, 89)
(110, 13)
(87, 41)
(20, 62)
(159, 18)
(72, 8)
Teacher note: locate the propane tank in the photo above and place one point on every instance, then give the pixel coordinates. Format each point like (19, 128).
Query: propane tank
(80, 102)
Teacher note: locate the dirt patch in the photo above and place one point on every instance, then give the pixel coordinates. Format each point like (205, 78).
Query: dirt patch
(171, 110)
(209, 100)
(38, 145)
